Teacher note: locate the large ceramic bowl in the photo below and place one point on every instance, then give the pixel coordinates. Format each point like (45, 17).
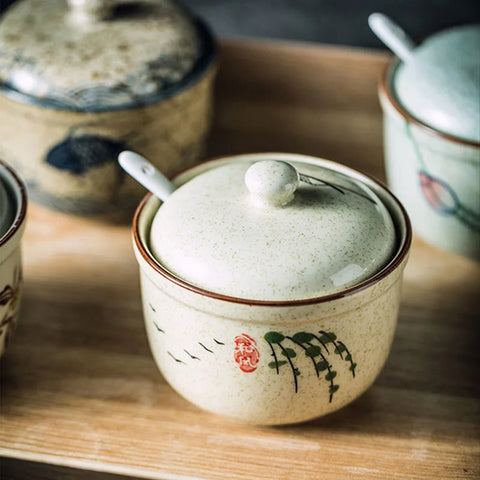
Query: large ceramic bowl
(270, 362)
(77, 88)
(13, 209)
(432, 138)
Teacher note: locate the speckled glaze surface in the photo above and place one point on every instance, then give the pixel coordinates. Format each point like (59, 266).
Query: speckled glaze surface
(266, 231)
(436, 176)
(10, 254)
(64, 138)
(74, 58)
(270, 362)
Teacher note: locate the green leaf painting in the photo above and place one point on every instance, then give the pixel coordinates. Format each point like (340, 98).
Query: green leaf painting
(303, 337)
(274, 337)
(318, 347)
(289, 353)
(277, 364)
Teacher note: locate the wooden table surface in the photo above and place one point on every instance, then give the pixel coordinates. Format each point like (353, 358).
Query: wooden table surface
(81, 390)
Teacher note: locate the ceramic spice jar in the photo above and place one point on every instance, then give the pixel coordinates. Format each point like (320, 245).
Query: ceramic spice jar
(271, 284)
(81, 80)
(13, 205)
(431, 104)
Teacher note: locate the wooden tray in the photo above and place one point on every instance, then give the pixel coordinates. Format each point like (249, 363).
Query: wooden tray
(80, 388)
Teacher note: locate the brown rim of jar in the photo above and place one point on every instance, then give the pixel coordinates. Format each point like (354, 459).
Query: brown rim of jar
(384, 88)
(402, 252)
(20, 217)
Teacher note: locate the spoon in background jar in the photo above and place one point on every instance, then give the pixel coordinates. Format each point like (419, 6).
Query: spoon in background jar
(392, 35)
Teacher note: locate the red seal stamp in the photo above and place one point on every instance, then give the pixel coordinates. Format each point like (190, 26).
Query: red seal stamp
(246, 353)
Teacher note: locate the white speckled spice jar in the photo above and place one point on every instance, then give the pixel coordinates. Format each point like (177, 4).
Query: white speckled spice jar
(270, 362)
(14, 202)
(75, 91)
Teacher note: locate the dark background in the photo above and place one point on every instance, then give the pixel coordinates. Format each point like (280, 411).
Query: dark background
(341, 22)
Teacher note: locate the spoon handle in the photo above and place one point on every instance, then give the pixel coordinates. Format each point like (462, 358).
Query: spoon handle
(146, 174)
(392, 35)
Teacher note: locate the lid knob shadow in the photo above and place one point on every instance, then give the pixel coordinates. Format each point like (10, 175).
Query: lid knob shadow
(271, 182)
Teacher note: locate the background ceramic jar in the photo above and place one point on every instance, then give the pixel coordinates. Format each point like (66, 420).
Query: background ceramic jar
(13, 206)
(272, 361)
(431, 104)
(87, 78)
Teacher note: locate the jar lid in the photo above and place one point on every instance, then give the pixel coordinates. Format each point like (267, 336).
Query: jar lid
(93, 55)
(264, 231)
(440, 83)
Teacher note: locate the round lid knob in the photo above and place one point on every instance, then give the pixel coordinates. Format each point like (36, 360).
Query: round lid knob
(440, 83)
(273, 231)
(271, 182)
(90, 11)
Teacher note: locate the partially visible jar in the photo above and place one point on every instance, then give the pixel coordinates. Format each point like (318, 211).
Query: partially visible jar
(431, 105)
(88, 78)
(13, 207)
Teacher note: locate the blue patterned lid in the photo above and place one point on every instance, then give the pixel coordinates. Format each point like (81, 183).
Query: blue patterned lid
(94, 55)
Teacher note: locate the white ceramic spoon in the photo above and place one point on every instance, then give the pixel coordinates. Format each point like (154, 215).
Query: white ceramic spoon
(146, 174)
(392, 35)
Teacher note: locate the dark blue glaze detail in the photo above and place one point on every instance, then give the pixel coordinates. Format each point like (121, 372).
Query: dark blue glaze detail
(77, 154)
